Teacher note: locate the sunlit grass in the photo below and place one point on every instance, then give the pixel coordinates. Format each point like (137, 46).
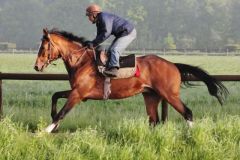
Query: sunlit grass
(213, 64)
(24, 63)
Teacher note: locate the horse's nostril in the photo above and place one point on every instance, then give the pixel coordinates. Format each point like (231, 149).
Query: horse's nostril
(36, 68)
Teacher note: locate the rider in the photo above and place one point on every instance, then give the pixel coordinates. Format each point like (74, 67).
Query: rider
(109, 24)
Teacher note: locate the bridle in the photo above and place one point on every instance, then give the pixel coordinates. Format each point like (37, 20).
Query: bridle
(52, 45)
(49, 51)
(50, 57)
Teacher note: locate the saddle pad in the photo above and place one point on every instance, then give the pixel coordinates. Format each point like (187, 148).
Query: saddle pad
(124, 61)
(122, 72)
(125, 72)
(127, 65)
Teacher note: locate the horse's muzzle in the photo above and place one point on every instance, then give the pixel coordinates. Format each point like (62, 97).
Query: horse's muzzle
(38, 68)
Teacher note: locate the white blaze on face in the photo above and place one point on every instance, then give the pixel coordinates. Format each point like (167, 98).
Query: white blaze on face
(36, 67)
(40, 46)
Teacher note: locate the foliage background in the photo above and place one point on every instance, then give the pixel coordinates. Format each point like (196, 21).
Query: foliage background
(191, 23)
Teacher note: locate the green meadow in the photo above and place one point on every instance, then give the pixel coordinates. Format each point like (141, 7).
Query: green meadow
(117, 129)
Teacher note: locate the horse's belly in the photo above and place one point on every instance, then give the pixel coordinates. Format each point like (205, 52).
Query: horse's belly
(125, 88)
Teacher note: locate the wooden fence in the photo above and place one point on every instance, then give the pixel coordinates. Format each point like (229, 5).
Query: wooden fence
(193, 52)
(28, 76)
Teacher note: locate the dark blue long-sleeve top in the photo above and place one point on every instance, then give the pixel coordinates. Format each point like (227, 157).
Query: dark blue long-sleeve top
(110, 24)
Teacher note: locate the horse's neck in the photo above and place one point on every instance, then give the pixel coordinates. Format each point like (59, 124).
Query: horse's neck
(76, 58)
(74, 55)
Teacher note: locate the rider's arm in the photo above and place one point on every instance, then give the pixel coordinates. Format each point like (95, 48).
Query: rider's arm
(104, 29)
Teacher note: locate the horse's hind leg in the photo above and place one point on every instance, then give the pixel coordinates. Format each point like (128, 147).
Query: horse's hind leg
(188, 115)
(164, 111)
(181, 108)
(152, 100)
(55, 97)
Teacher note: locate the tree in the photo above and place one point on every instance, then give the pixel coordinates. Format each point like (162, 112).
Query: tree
(169, 42)
(20, 25)
(235, 23)
(194, 23)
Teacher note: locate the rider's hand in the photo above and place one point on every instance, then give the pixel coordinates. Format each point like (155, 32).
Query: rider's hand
(89, 44)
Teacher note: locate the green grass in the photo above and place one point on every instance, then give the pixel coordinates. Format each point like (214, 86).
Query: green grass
(117, 129)
(24, 63)
(213, 64)
(128, 139)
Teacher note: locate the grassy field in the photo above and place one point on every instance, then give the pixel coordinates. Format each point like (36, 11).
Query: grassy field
(117, 129)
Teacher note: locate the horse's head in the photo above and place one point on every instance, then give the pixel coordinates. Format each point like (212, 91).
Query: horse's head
(47, 52)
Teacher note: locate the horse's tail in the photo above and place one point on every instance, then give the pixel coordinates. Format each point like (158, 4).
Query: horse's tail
(215, 87)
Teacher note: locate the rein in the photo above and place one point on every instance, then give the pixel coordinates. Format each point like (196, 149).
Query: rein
(85, 50)
(51, 59)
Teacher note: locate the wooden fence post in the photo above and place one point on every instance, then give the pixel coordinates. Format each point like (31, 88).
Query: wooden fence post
(164, 111)
(1, 108)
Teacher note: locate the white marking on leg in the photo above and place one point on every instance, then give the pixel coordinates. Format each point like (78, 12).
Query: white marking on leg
(56, 127)
(50, 128)
(190, 123)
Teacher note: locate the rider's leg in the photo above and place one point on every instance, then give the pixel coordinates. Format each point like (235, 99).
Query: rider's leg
(116, 49)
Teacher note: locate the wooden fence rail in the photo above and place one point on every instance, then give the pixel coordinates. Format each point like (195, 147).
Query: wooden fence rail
(29, 76)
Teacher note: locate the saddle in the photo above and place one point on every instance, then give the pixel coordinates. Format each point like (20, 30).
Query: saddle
(127, 64)
(128, 68)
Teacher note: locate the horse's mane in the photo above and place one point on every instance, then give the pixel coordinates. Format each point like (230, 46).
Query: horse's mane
(68, 35)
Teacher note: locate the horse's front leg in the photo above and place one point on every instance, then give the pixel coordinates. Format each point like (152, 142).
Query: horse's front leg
(55, 97)
(73, 98)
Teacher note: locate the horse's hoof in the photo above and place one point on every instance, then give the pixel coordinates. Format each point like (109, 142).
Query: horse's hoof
(190, 123)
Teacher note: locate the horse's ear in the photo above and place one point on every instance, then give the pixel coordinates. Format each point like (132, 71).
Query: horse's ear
(45, 31)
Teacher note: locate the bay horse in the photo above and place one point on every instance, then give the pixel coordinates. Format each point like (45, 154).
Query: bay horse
(159, 79)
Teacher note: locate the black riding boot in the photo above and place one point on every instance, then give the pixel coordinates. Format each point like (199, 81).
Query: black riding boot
(112, 72)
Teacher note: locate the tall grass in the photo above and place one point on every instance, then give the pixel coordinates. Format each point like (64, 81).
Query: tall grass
(117, 129)
(128, 139)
